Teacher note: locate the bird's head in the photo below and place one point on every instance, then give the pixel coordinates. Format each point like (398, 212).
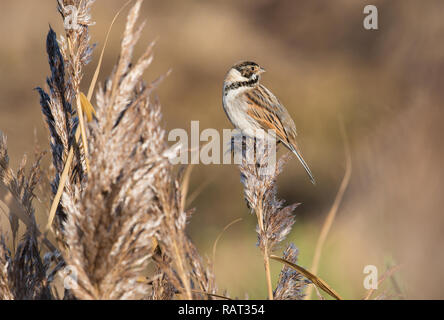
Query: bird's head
(244, 71)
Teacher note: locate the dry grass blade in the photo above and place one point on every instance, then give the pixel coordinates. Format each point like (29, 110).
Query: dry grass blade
(99, 64)
(386, 275)
(193, 196)
(212, 295)
(185, 185)
(17, 209)
(82, 130)
(87, 107)
(62, 181)
(220, 236)
(186, 180)
(291, 284)
(189, 199)
(314, 279)
(334, 208)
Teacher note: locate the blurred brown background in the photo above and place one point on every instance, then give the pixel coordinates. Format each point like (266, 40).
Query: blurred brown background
(322, 64)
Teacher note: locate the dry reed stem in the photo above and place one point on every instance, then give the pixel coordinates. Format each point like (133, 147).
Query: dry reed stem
(265, 253)
(82, 130)
(220, 236)
(313, 278)
(193, 196)
(386, 275)
(334, 209)
(259, 179)
(99, 63)
(62, 181)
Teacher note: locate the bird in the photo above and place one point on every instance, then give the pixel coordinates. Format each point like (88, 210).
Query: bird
(250, 106)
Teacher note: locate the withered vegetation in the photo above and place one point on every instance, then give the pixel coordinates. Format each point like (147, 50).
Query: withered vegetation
(120, 225)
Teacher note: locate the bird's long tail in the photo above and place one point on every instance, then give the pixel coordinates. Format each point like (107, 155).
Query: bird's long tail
(304, 164)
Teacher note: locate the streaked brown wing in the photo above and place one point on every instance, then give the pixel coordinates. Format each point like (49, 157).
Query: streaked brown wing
(266, 110)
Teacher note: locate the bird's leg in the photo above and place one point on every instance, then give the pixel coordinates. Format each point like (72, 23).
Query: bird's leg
(255, 153)
(244, 147)
(232, 147)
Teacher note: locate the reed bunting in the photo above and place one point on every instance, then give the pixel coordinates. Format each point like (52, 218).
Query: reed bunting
(251, 107)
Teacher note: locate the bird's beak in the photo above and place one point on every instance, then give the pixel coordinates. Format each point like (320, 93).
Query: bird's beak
(262, 70)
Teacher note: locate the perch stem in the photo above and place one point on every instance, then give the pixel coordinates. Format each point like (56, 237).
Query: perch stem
(265, 253)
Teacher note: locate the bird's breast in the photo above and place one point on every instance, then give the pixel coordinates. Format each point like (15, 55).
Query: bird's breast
(236, 109)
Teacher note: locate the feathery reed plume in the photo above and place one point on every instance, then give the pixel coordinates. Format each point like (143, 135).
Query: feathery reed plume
(119, 201)
(132, 195)
(77, 51)
(181, 262)
(291, 284)
(76, 48)
(19, 188)
(109, 229)
(26, 273)
(66, 63)
(161, 287)
(131, 188)
(5, 286)
(61, 120)
(259, 179)
(202, 275)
